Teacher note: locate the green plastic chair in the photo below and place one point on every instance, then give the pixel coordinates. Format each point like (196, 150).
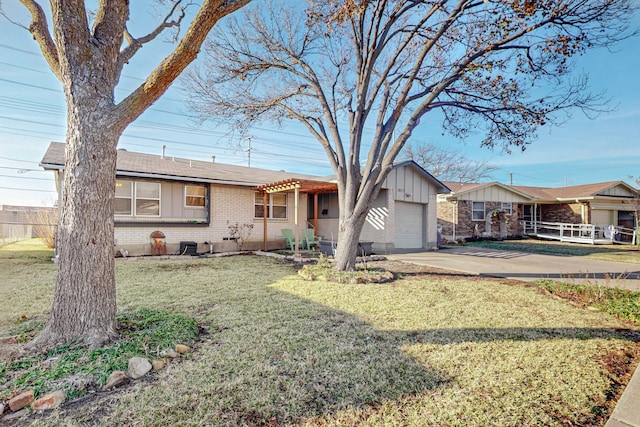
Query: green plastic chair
(309, 238)
(289, 239)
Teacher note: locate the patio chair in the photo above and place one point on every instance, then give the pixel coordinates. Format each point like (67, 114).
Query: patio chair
(309, 236)
(290, 240)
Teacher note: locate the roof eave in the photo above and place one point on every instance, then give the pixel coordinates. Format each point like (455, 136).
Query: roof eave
(59, 167)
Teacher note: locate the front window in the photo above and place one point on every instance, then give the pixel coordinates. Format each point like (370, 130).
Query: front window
(195, 196)
(506, 208)
(477, 212)
(276, 206)
(147, 199)
(137, 198)
(124, 197)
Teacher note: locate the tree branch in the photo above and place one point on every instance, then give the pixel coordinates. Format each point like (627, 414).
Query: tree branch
(134, 44)
(40, 31)
(170, 68)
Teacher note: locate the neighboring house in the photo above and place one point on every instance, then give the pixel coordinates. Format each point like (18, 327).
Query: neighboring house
(196, 201)
(601, 204)
(477, 210)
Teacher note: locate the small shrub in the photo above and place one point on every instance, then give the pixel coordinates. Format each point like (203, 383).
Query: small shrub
(44, 223)
(324, 272)
(240, 233)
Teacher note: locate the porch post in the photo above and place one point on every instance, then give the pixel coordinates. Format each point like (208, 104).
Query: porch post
(296, 235)
(264, 219)
(535, 218)
(315, 215)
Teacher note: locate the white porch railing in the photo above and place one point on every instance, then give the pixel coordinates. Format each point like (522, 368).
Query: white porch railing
(580, 233)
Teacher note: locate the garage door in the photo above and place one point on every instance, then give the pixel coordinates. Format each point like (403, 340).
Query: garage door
(409, 225)
(601, 217)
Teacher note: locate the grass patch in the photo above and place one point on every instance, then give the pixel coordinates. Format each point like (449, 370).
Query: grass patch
(620, 253)
(622, 303)
(27, 251)
(77, 371)
(423, 350)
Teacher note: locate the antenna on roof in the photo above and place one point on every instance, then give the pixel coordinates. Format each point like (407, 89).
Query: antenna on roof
(163, 148)
(213, 159)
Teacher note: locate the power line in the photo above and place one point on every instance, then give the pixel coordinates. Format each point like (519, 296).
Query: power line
(26, 68)
(28, 52)
(28, 189)
(18, 160)
(26, 177)
(31, 121)
(20, 169)
(30, 85)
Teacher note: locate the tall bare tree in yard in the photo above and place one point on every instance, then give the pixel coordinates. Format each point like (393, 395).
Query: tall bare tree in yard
(362, 74)
(88, 56)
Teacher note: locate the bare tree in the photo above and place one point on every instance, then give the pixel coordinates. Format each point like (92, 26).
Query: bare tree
(448, 164)
(87, 54)
(357, 73)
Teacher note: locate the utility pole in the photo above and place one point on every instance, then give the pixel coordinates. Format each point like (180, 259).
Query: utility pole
(511, 179)
(249, 151)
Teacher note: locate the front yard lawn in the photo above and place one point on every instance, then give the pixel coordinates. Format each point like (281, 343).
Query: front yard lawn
(426, 349)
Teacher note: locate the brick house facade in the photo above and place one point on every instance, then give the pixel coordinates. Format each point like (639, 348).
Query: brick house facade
(602, 204)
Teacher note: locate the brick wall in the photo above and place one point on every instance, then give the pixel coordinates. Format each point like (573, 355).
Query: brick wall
(464, 224)
(563, 212)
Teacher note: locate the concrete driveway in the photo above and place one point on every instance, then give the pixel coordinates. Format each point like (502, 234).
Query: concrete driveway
(528, 267)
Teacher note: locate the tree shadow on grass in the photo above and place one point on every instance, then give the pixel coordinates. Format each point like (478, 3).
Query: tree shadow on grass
(310, 360)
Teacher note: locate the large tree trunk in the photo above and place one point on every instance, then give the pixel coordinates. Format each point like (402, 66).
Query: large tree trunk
(84, 305)
(348, 238)
(88, 63)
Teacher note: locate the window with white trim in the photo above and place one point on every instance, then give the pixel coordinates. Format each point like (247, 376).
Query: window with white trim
(477, 211)
(276, 206)
(147, 198)
(137, 198)
(124, 197)
(506, 208)
(195, 196)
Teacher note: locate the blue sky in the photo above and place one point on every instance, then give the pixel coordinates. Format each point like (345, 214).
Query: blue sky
(32, 113)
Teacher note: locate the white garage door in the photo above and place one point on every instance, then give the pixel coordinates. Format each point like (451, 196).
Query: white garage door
(409, 225)
(601, 217)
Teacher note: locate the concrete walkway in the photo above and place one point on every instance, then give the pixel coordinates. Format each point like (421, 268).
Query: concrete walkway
(530, 267)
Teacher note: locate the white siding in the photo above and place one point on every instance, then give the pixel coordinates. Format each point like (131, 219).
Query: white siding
(617, 191)
(409, 185)
(493, 194)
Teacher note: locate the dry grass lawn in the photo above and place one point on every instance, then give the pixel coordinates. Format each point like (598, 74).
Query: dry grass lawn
(427, 349)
